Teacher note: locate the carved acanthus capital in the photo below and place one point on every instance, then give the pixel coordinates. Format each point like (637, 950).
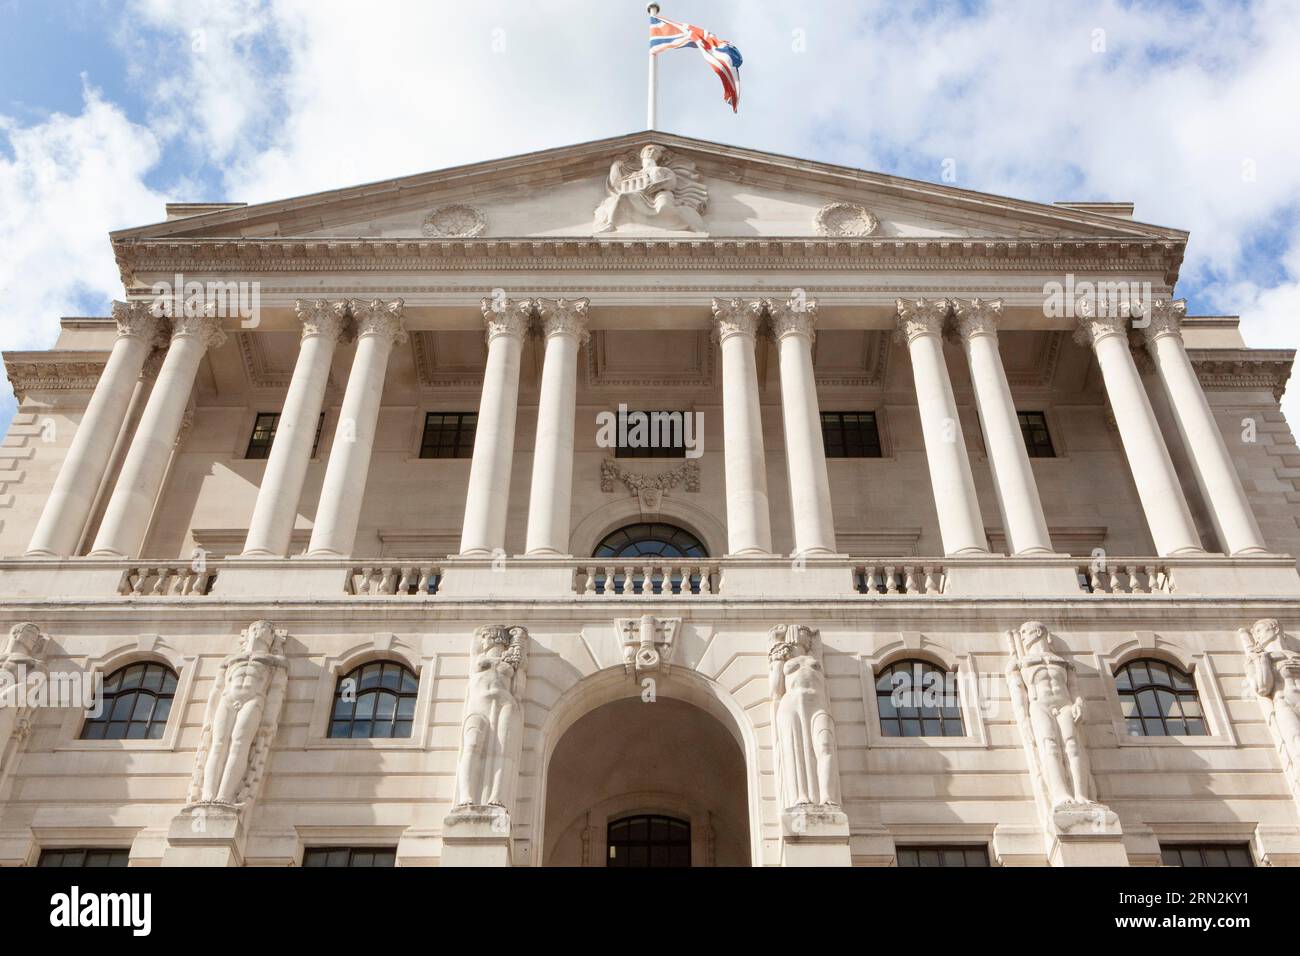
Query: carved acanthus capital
(322, 317)
(206, 328)
(793, 317)
(737, 317)
(917, 317)
(1164, 318)
(379, 318)
(137, 319)
(1093, 328)
(564, 317)
(976, 317)
(510, 317)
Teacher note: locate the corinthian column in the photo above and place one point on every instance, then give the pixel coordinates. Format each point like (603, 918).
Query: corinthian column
(121, 533)
(564, 326)
(805, 454)
(920, 325)
(1168, 519)
(1234, 521)
(286, 467)
(70, 501)
(379, 327)
(1013, 477)
(484, 527)
(749, 527)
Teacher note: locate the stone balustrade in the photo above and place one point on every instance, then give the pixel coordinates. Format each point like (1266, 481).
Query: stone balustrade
(621, 578)
(166, 578)
(420, 578)
(909, 577)
(1125, 576)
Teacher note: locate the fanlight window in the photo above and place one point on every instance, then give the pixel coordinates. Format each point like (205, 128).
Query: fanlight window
(375, 700)
(137, 700)
(650, 540)
(1159, 700)
(918, 699)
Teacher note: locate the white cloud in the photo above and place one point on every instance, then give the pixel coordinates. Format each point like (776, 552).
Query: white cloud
(71, 180)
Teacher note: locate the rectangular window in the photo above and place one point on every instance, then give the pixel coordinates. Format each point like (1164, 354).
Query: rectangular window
(1206, 854)
(850, 435)
(939, 855)
(1038, 442)
(264, 428)
(651, 434)
(84, 856)
(449, 435)
(350, 856)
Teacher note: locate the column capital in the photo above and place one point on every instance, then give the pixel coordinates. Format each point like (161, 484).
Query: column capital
(510, 317)
(379, 318)
(564, 317)
(792, 317)
(1093, 328)
(321, 317)
(206, 328)
(737, 317)
(1165, 317)
(137, 319)
(920, 317)
(976, 317)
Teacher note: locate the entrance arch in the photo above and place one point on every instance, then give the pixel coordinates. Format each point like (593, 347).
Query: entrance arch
(610, 755)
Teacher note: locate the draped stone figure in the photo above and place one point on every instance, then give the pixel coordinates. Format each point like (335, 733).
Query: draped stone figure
(21, 666)
(1273, 673)
(493, 718)
(1050, 711)
(241, 718)
(655, 188)
(806, 760)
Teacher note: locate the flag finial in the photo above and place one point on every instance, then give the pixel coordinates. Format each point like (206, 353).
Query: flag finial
(652, 8)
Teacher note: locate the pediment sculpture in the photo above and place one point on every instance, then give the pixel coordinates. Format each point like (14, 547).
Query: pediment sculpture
(653, 188)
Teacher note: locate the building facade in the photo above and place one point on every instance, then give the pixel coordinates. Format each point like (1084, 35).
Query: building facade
(650, 502)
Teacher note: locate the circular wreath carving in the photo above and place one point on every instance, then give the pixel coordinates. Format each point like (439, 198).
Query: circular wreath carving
(456, 221)
(845, 219)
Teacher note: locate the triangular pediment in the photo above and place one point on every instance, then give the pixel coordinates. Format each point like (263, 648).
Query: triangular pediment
(613, 189)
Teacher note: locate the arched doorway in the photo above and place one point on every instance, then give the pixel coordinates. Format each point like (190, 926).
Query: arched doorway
(639, 762)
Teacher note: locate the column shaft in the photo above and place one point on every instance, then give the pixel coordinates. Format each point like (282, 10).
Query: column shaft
(1013, 475)
(564, 324)
(955, 501)
(1168, 518)
(334, 532)
(1234, 520)
(73, 495)
(122, 531)
(271, 527)
(484, 529)
(749, 527)
(805, 453)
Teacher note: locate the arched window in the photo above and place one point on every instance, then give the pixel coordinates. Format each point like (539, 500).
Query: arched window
(375, 700)
(1159, 700)
(136, 702)
(647, 540)
(918, 699)
(649, 840)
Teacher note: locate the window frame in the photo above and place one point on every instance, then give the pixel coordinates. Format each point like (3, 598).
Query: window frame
(649, 453)
(688, 843)
(1047, 430)
(930, 667)
(251, 430)
(1200, 665)
(147, 647)
(963, 848)
(1180, 695)
(85, 849)
(382, 647)
(351, 850)
(840, 414)
(912, 645)
(1201, 845)
(400, 694)
(422, 430)
(137, 692)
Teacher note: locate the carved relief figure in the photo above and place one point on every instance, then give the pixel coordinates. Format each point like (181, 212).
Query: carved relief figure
(806, 760)
(659, 190)
(20, 662)
(1047, 705)
(493, 717)
(242, 715)
(1273, 672)
(648, 642)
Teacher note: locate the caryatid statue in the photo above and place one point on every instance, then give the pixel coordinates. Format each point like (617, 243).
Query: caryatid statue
(21, 660)
(1049, 709)
(243, 713)
(807, 765)
(1273, 672)
(494, 718)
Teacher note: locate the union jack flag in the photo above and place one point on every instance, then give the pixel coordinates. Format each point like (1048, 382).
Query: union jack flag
(722, 57)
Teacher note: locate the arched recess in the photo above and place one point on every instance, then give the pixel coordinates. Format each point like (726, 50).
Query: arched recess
(679, 687)
(625, 510)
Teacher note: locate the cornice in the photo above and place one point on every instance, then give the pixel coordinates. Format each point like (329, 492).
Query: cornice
(65, 370)
(992, 254)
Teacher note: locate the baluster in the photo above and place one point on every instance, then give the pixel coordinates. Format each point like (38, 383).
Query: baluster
(647, 580)
(609, 580)
(930, 584)
(161, 576)
(1114, 582)
(909, 580)
(706, 582)
(1094, 579)
(1134, 582)
(891, 586)
(589, 585)
(629, 581)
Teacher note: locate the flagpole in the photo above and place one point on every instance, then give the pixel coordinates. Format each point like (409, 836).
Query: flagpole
(652, 93)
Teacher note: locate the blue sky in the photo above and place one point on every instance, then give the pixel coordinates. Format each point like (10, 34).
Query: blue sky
(110, 109)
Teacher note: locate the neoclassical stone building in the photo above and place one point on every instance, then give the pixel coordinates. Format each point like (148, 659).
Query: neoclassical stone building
(649, 502)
